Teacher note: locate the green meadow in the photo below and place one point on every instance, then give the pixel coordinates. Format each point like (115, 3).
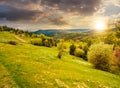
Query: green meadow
(27, 66)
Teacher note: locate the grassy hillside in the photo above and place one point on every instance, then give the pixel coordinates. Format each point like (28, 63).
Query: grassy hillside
(27, 66)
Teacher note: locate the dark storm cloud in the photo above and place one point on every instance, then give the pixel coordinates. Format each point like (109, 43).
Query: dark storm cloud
(22, 4)
(36, 10)
(85, 7)
(20, 1)
(14, 14)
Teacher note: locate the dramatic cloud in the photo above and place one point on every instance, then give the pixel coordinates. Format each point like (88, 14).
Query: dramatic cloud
(20, 10)
(26, 4)
(14, 14)
(84, 7)
(58, 21)
(20, 2)
(56, 13)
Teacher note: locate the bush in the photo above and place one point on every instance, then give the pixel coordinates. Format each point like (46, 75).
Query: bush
(60, 54)
(115, 62)
(79, 53)
(72, 49)
(62, 46)
(110, 38)
(48, 41)
(12, 42)
(36, 41)
(84, 47)
(100, 55)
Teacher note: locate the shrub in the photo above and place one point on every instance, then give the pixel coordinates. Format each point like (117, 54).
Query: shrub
(34, 35)
(60, 54)
(118, 33)
(115, 62)
(48, 41)
(118, 42)
(79, 53)
(36, 41)
(1, 28)
(84, 47)
(12, 42)
(110, 38)
(62, 46)
(72, 49)
(100, 55)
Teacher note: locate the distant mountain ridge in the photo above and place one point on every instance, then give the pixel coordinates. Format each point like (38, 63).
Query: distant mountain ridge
(50, 32)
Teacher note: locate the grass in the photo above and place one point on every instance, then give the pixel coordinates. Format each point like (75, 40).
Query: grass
(28, 66)
(5, 37)
(6, 81)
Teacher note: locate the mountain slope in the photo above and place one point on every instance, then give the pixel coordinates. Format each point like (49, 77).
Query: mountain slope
(51, 32)
(38, 67)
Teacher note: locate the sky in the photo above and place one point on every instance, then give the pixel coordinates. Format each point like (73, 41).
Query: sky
(57, 14)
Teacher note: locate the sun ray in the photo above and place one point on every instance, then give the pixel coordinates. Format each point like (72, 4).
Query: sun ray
(100, 25)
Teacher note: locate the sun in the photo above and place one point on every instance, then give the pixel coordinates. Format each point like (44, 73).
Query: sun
(100, 25)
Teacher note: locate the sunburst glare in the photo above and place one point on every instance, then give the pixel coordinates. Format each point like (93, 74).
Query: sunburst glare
(100, 25)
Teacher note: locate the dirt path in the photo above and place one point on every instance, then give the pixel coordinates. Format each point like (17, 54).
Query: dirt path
(22, 40)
